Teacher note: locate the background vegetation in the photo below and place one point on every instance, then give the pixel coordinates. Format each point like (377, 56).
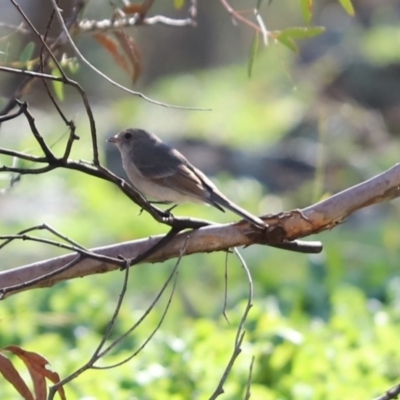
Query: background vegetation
(322, 326)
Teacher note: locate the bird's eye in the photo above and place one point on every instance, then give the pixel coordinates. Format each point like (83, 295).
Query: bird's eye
(127, 136)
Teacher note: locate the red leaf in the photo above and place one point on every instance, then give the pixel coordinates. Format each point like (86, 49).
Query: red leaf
(36, 365)
(112, 47)
(131, 51)
(11, 374)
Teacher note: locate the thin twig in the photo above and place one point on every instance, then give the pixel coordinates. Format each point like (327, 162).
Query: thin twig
(20, 28)
(240, 330)
(64, 77)
(247, 394)
(53, 390)
(22, 108)
(152, 305)
(174, 273)
(391, 394)
(225, 287)
(106, 77)
(99, 354)
(237, 16)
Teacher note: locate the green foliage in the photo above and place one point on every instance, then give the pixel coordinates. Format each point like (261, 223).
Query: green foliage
(289, 35)
(58, 86)
(26, 53)
(178, 4)
(253, 51)
(348, 6)
(306, 7)
(350, 352)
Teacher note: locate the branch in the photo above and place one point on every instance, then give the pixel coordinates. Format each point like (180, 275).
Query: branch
(391, 394)
(108, 25)
(138, 18)
(235, 15)
(284, 226)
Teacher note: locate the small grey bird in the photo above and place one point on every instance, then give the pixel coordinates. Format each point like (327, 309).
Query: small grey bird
(162, 173)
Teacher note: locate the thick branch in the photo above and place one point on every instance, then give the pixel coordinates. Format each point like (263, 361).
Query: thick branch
(285, 226)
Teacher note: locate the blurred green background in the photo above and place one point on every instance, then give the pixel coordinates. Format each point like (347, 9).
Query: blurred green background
(302, 127)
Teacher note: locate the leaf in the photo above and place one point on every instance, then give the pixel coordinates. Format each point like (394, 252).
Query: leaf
(73, 65)
(112, 47)
(253, 51)
(302, 33)
(132, 53)
(11, 374)
(58, 86)
(178, 4)
(27, 52)
(287, 36)
(306, 7)
(37, 367)
(348, 6)
(129, 60)
(288, 42)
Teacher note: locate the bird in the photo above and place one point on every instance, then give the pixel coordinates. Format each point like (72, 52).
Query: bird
(160, 172)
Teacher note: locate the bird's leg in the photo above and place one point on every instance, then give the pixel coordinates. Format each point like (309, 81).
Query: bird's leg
(167, 211)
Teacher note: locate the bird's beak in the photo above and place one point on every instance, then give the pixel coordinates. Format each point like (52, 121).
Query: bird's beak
(113, 139)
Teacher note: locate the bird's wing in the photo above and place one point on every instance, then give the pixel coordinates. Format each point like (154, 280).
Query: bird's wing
(168, 167)
(161, 163)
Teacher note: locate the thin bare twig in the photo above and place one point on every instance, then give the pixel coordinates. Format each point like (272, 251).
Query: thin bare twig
(29, 78)
(174, 274)
(262, 26)
(240, 330)
(65, 79)
(42, 66)
(54, 389)
(237, 16)
(247, 394)
(16, 28)
(108, 25)
(99, 353)
(46, 227)
(31, 74)
(22, 108)
(225, 287)
(80, 250)
(106, 77)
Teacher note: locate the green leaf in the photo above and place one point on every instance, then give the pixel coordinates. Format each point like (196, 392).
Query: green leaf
(348, 6)
(178, 4)
(27, 52)
(306, 7)
(73, 65)
(302, 33)
(288, 42)
(287, 36)
(58, 86)
(253, 52)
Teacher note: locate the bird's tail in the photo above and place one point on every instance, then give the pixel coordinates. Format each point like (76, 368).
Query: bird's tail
(218, 200)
